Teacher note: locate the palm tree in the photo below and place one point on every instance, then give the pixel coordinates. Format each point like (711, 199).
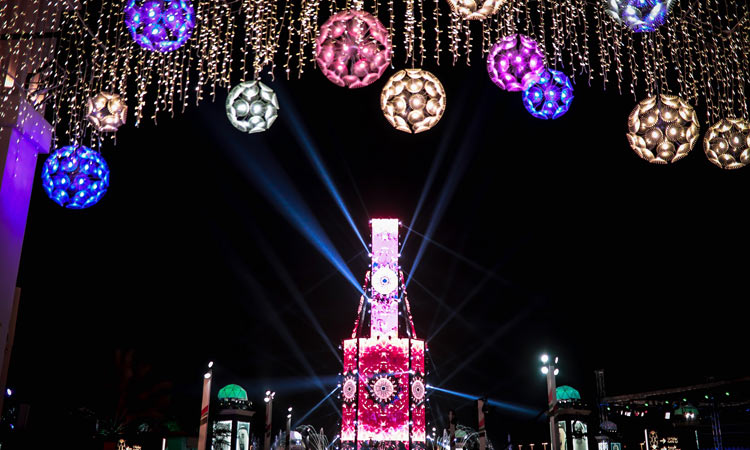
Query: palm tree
(139, 403)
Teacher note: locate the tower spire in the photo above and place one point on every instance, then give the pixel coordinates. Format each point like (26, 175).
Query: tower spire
(383, 389)
(384, 278)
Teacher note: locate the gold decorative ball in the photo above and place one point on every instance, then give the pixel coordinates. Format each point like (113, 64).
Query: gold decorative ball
(475, 9)
(106, 112)
(727, 143)
(413, 100)
(663, 129)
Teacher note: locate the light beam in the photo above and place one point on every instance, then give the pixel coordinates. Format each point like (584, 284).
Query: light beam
(458, 167)
(279, 325)
(284, 275)
(317, 405)
(270, 179)
(305, 141)
(500, 404)
(444, 143)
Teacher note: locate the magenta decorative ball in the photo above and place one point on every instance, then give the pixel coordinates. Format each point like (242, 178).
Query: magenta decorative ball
(515, 63)
(353, 49)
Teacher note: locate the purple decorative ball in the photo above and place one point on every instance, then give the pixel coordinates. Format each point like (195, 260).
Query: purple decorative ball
(550, 96)
(515, 63)
(160, 25)
(75, 176)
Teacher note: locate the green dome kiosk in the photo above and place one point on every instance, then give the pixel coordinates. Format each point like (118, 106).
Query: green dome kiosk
(231, 425)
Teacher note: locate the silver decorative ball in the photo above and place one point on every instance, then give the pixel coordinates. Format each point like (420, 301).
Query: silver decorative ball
(252, 107)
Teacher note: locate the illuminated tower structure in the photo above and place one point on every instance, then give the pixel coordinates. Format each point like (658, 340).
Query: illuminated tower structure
(383, 387)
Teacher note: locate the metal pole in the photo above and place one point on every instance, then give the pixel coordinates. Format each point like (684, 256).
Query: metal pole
(269, 410)
(481, 428)
(552, 403)
(288, 444)
(205, 402)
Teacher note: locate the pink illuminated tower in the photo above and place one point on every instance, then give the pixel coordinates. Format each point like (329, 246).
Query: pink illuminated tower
(383, 389)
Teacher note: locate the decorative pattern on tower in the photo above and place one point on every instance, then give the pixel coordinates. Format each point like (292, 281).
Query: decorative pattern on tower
(383, 390)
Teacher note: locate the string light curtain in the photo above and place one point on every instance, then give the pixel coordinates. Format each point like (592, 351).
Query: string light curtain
(699, 54)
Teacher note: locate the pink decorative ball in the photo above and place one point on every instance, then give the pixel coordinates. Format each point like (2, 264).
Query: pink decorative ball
(515, 63)
(353, 49)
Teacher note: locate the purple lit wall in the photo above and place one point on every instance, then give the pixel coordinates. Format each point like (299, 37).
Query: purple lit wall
(23, 135)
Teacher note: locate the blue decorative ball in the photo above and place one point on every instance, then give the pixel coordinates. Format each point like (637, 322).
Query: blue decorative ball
(550, 96)
(160, 25)
(640, 15)
(75, 177)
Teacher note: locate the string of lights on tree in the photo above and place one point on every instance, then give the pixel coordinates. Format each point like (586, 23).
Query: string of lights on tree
(159, 56)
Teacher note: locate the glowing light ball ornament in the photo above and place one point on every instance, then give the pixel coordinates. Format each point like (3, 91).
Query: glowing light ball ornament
(160, 25)
(727, 143)
(353, 49)
(413, 100)
(252, 107)
(106, 112)
(640, 15)
(475, 9)
(550, 96)
(663, 129)
(515, 62)
(75, 177)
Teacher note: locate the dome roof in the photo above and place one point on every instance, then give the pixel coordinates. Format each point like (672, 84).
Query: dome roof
(567, 393)
(232, 392)
(685, 409)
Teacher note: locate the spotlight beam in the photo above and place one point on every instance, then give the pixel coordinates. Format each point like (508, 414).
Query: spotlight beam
(458, 168)
(292, 288)
(463, 258)
(271, 180)
(447, 282)
(285, 385)
(280, 327)
(500, 404)
(454, 312)
(333, 441)
(356, 189)
(442, 303)
(317, 405)
(327, 277)
(489, 341)
(305, 141)
(431, 175)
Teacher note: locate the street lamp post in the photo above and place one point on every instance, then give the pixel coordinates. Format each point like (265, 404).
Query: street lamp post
(289, 429)
(205, 401)
(269, 409)
(549, 368)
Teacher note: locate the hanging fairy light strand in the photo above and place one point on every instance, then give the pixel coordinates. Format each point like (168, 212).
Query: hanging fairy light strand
(699, 52)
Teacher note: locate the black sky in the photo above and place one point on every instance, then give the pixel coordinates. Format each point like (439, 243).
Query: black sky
(599, 257)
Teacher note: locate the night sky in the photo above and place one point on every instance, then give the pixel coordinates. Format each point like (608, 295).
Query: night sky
(567, 242)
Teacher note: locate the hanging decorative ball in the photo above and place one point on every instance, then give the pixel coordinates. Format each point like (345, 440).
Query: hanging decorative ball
(550, 96)
(252, 107)
(640, 15)
(160, 25)
(515, 62)
(475, 9)
(353, 48)
(106, 112)
(75, 176)
(727, 143)
(663, 129)
(413, 100)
